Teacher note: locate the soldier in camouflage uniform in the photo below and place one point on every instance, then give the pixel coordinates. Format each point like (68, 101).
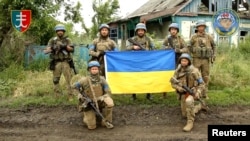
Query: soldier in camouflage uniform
(176, 42)
(60, 50)
(100, 45)
(100, 92)
(145, 41)
(203, 49)
(187, 75)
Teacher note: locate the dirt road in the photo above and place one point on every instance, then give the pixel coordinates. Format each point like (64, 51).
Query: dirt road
(132, 123)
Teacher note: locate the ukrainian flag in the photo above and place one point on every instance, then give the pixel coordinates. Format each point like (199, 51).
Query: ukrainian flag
(140, 71)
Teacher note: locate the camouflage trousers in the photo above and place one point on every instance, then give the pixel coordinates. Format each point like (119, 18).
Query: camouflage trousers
(204, 66)
(62, 68)
(106, 108)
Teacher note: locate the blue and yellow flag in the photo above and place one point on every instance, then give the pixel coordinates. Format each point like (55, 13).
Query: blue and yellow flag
(140, 71)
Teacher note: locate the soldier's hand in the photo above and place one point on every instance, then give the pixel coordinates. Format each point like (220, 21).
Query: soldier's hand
(136, 47)
(197, 95)
(177, 50)
(47, 50)
(180, 89)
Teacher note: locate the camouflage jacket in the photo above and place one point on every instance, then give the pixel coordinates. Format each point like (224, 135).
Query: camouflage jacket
(58, 53)
(100, 45)
(145, 41)
(190, 77)
(98, 83)
(202, 46)
(175, 42)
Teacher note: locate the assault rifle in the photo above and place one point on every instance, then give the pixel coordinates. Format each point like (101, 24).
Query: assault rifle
(189, 91)
(72, 65)
(90, 102)
(136, 43)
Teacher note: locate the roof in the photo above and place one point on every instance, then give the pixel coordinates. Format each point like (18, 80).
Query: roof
(155, 6)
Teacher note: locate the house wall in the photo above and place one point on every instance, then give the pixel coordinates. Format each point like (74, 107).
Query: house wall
(160, 31)
(187, 28)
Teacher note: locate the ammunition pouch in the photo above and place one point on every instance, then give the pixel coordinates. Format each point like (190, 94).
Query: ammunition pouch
(202, 52)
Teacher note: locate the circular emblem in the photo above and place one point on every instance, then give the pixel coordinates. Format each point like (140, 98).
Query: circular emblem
(226, 22)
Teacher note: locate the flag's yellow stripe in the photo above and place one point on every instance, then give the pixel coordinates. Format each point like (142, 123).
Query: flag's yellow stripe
(140, 82)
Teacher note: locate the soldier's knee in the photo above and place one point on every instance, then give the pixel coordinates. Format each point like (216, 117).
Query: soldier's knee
(56, 80)
(109, 102)
(89, 119)
(189, 101)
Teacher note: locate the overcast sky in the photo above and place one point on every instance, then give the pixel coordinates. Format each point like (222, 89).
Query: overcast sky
(126, 7)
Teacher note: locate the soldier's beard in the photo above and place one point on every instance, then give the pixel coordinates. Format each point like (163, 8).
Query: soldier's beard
(60, 35)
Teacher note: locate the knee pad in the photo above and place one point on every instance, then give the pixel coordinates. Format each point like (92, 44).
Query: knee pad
(189, 101)
(56, 80)
(109, 102)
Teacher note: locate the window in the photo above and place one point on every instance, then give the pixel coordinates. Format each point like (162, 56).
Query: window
(114, 34)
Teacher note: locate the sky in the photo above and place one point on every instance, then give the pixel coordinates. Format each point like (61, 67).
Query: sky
(126, 7)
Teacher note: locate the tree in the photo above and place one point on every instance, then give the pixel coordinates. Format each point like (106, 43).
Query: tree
(12, 43)
(104, 13)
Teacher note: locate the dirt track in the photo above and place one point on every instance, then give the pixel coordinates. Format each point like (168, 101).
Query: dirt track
(132, 123)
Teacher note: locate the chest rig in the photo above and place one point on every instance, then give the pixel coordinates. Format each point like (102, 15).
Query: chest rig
(59, 53)
(97, 86)
(202, 46)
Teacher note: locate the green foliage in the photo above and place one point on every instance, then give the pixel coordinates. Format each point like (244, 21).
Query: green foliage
(12, 42)
(40, 64)
(9, 78)
(104, 12)
(231, 68)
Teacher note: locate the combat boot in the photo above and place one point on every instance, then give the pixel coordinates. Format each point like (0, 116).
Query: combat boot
(149, 97)
(108, 117)
(133, 97)
(189, 126)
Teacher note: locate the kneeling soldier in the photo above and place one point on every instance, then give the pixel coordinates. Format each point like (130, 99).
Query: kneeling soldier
(186, 80)
(94, 97)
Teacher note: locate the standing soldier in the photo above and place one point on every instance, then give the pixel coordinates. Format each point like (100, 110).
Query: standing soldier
(203, 49)
(187, 75)
(60, 50)
(141, 42)
(97, 89)
(175, 42)
(100, 45)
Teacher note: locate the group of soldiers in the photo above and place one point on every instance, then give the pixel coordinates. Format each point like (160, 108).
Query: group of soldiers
(193, 61)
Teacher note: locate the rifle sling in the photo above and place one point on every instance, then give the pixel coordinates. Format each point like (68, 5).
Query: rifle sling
(93, 93)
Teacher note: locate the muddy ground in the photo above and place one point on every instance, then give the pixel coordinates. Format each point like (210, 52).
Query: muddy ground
(132, 123)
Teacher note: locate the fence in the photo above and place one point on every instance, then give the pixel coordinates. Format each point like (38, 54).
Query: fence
(33, 53)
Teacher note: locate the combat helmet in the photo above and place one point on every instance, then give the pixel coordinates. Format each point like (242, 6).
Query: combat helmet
(140, 26)
(93, 64)
(186, 56)
(60, 27)
(103, 26)
(200, 22)
(173, 25)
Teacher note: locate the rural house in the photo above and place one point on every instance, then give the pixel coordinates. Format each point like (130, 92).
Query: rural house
(159, 14)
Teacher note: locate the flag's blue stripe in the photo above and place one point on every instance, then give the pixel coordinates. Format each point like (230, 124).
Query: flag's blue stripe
(140, 61)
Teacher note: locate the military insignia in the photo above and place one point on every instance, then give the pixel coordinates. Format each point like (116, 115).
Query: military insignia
(226, 22)
(21, 19)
